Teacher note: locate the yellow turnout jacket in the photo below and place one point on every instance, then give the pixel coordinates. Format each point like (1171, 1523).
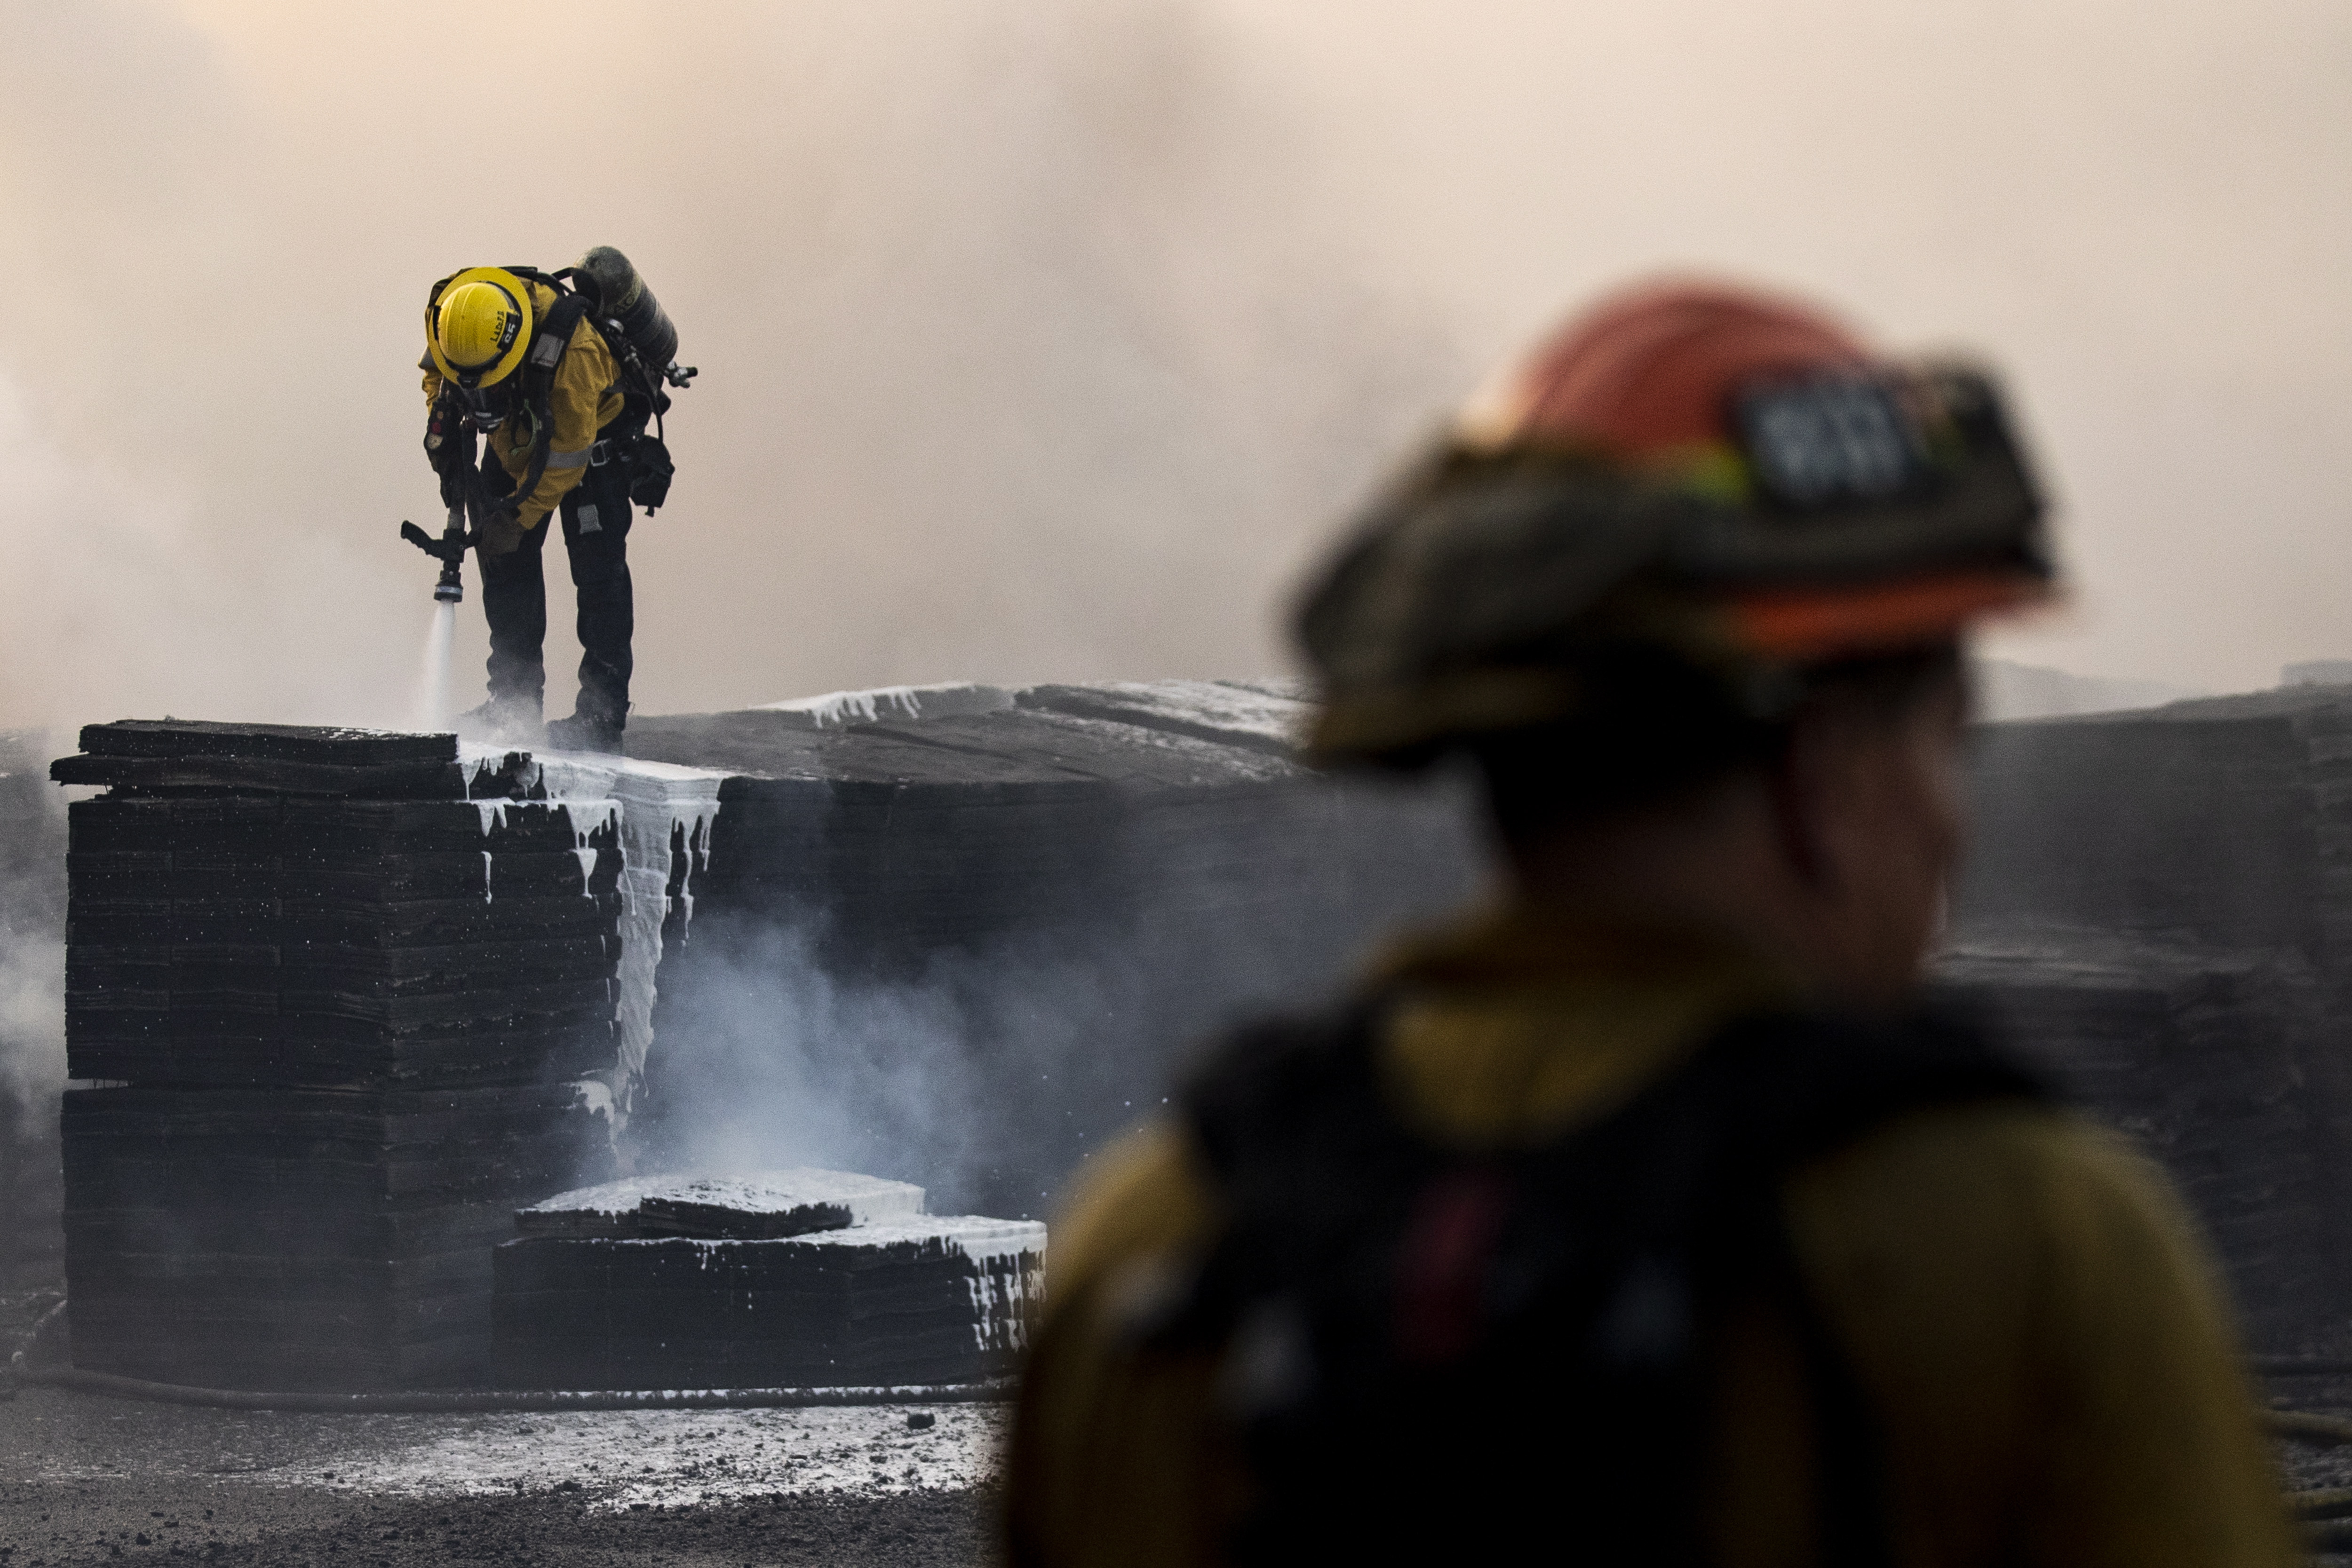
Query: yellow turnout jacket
(2021, 1294)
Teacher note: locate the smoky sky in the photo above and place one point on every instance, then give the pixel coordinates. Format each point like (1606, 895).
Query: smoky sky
(1049, 340)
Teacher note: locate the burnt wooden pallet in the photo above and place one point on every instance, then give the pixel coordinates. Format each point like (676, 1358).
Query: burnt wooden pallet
(179, 739)
(927, 1300)
(168, 775)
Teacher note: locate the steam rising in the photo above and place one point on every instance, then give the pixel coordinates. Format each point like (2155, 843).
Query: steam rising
(784, 1061)
(980, 1080)
(32, 929)
(32, 1025)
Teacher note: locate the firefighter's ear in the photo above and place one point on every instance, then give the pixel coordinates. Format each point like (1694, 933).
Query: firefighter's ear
(1867, 822)
(1828, 796)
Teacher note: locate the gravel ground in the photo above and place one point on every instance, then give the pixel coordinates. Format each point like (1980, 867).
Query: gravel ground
(2307, 1467)
(88, 1479)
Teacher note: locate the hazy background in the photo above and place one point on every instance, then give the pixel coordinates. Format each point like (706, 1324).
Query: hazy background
(1047, 339)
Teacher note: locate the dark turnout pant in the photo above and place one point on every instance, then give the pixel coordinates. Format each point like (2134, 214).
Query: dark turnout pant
(595, 522)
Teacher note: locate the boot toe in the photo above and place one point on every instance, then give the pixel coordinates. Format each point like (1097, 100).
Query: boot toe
(582, 734)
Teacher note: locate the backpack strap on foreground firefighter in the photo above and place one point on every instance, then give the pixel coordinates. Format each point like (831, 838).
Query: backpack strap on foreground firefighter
(1397, 1310)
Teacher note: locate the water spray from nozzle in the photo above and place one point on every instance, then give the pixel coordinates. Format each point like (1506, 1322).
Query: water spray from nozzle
(432, 705)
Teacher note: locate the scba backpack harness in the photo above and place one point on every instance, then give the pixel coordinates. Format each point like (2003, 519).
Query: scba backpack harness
(1427, 1356)
(644, 457)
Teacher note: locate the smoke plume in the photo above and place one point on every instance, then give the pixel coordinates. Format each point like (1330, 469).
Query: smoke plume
(1044, 341)
(1023, 351)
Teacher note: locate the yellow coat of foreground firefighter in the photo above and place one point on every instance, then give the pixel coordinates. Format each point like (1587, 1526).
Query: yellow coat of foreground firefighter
(2063, 1391)
(584, 398)
(1651, 1221)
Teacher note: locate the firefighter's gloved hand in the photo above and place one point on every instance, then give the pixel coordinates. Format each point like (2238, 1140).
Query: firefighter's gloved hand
(501, 535)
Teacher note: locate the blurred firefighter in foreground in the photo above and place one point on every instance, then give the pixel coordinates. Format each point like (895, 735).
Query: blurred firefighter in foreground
(561, 373)
(1642, 1216)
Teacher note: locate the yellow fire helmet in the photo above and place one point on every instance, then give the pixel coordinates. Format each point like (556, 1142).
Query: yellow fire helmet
(477, 325)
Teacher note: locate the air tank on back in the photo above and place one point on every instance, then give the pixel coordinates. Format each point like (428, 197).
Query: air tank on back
(621, 294)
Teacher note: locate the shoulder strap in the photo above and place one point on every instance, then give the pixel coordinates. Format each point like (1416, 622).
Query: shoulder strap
(1774, 1094)
(551, 339)
(554, 280)
(1289, 1117)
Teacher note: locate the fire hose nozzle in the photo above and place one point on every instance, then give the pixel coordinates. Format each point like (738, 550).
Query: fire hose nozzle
(449, 549)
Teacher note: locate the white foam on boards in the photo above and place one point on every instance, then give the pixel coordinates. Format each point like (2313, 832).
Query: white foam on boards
(974, 1236)
(833, 709)
(1289, 688)
(594, 1096)
(655, 804)
(612, 1198)
(478, 759)
(1006, 1299)
(1211, 704)
(591, 818)
(596, 774)
(1006, 1286)
(867, 1199)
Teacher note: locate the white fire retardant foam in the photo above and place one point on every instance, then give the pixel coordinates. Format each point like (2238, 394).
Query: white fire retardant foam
(834, 709)
(1230, 708)
(660, 810)
(606, 1209)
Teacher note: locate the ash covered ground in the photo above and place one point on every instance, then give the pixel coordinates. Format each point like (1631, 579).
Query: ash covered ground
(2308, 1467)
(88, 1479)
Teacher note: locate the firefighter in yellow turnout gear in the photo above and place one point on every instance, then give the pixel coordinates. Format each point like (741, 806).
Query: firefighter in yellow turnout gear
(1642, 1217)
(523, 362)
